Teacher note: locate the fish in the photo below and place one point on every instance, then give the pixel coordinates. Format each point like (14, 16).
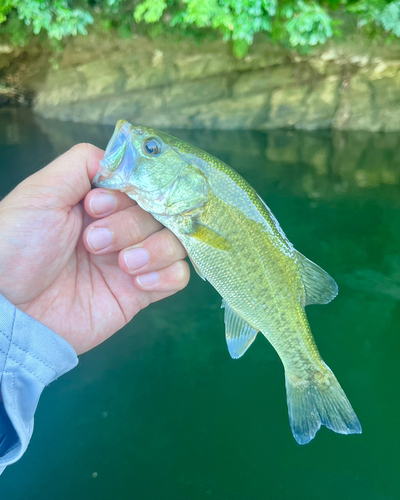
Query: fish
(236, 244)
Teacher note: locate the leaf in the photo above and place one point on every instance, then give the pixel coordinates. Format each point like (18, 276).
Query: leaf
(150, 10)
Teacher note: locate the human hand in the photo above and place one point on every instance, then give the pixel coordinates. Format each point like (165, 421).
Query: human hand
(79, 290)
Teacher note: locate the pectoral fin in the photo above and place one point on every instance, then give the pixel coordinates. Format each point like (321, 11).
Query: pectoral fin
(320, 288)
(210, 237)
(239, 334)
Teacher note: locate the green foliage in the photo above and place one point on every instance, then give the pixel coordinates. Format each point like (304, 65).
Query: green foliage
(307, 24)
(236, 20)
(374, 14)
(15, 32)
(56, 17)
(295, 23)
(390, 18)
(150, 10)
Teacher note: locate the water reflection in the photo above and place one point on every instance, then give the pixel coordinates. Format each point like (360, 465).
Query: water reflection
(316, 165)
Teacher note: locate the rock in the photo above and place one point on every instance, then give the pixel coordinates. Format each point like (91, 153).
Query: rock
(342, 85)
(7, 56)
(142, 74)
(62, 86)
(287, 107)
(355, 110)
(102, 78)
(136, 107)
(263, 81)
(200, 65)
(5, 48)
(226, 113)
(381, 69)
(321, 105)
(195, 92)
(386, 93)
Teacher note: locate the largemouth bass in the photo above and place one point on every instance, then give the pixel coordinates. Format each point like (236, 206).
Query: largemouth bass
(235, 243)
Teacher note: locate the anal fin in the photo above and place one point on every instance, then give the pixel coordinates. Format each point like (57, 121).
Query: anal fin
(239, 334)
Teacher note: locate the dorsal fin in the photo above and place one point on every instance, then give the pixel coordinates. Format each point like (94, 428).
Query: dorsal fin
(239, 334)
(320, 288)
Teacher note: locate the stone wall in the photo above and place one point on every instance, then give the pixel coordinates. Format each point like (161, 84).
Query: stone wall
(347, 86)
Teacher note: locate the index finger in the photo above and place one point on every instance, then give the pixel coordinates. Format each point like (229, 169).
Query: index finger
(68, 178)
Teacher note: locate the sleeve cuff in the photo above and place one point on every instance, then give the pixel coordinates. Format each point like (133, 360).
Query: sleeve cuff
(31, 357)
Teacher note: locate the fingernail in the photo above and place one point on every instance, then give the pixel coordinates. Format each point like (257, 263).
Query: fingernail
(99, 238)
(147, 279)
(136, 258)
(102, 203)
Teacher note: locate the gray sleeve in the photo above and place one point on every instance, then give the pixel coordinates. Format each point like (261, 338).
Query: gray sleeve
(31, 357)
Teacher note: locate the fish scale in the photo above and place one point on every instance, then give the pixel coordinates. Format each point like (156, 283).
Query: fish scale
(248, 282)
(235, 243)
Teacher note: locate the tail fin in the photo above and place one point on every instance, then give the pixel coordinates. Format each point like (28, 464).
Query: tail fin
(319, 401)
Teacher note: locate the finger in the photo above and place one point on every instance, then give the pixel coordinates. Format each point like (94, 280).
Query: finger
(67, 180)
(103, 202)
(120, 230)
(171, 279)
(159, 250)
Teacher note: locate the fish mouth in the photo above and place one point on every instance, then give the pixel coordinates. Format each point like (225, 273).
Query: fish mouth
(119, 159)
(107, 179)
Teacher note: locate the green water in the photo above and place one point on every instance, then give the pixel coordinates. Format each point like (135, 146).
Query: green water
(160, 411)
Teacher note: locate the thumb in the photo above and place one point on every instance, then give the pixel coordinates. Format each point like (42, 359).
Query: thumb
(66, 181)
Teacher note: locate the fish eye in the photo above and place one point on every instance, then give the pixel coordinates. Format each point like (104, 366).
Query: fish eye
(152, 146)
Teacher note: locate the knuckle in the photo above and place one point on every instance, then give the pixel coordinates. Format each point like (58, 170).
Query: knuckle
(135, 229)
(182, 274)
(83, 148)
(169, 245)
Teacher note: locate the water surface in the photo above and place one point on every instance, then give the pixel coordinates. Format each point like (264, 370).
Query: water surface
(160, 411)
